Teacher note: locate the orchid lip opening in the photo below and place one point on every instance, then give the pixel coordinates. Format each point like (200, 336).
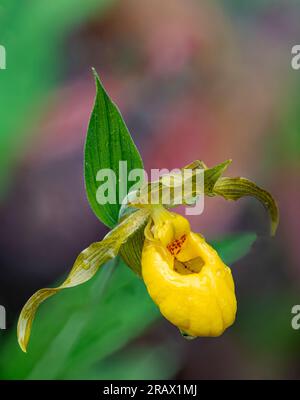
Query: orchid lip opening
(186, 278)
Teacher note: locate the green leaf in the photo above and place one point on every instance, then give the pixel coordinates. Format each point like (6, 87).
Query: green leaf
(108, 141)
(234, 247)
(151, 362)
(85, 267)
(235, 188)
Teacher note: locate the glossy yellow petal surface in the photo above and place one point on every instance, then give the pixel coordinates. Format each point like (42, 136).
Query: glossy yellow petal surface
(199, 300)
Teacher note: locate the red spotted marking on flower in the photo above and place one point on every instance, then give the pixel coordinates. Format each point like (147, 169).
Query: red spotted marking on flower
(175, 246)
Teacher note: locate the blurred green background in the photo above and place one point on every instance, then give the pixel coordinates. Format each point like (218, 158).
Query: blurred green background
(193, 79)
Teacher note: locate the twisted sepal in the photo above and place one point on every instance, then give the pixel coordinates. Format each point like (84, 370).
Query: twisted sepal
(164, 189)
(85, 267)
(235, 188)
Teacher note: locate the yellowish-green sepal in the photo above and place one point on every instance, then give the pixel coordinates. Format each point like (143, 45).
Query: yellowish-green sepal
(166, 194)
(235, 188)
(85, 267)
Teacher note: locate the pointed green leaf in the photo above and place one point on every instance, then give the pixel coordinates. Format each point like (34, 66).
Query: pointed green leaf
(235, 188)
(86, 265)
(108, 142)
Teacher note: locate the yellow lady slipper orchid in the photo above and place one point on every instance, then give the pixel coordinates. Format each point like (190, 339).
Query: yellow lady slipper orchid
(185, 277)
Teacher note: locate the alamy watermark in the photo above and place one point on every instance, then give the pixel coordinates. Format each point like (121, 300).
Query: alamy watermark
(295, 322)
(295, 62)
(2, 318)
(2, 57)
(162, 186)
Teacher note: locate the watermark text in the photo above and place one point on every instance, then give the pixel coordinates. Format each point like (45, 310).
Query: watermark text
(2, 57)
(170, 188)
